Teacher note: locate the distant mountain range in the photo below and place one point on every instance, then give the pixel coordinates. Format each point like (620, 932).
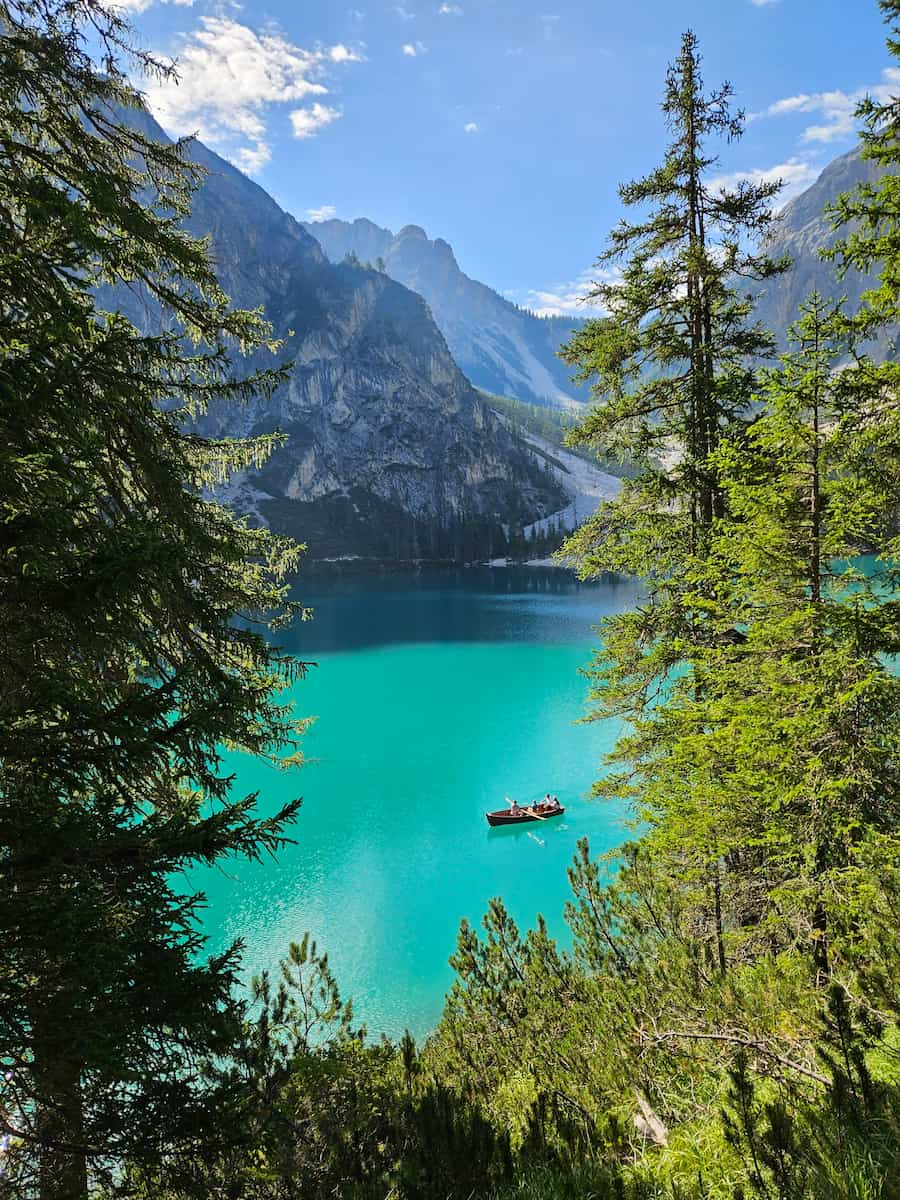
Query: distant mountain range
(390, 452)
(510, 352)
(499, 347)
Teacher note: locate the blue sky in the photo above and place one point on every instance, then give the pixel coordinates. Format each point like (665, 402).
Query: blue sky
(503, 126)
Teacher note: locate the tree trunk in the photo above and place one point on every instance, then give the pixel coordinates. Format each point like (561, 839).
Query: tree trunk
(59, 1119)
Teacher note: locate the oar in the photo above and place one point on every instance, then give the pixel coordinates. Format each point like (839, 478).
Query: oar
(536, 815)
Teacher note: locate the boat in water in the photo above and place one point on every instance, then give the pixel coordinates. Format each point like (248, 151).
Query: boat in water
(534, 812)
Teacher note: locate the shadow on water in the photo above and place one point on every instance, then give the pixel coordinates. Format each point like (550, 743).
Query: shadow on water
(435, 604)
(516, 833)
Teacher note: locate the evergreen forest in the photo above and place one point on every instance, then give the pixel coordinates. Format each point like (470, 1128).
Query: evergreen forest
(726, 1023)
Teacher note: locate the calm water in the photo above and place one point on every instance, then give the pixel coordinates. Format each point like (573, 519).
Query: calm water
(436, 696)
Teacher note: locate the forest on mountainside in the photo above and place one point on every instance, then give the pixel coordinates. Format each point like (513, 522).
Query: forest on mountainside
(725, 1024)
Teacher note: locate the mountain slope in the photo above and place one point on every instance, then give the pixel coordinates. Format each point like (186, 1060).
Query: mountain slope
(390, 452)
(802, 229)
(500, 348)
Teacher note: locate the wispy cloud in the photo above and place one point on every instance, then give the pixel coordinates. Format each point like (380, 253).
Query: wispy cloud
(449, 10)
(404, 13)
(796, 174)
(325, 213)
(836, 108)
(764, 3)
(471, 127)
(229, 79)
(566, 299)
(343, 54)
(550, 21)
(413, 49)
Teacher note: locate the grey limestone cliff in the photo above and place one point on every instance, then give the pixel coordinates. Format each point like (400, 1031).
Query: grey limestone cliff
(500, 347)
(390, 452)
(801, 231)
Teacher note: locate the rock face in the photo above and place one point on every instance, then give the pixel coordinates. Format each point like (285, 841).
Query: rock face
(500, 348)
(802, 229)
(390, 452)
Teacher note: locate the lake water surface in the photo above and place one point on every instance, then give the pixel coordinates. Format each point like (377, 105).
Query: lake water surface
(437, 695)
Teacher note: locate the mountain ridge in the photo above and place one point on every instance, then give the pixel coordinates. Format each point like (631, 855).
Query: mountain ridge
(800, 231)
(390, 452)
(500, 347)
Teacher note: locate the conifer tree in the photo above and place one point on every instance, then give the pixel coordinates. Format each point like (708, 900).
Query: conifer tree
(672, 369)
(131, 620)
(671, 364)
(778, 750)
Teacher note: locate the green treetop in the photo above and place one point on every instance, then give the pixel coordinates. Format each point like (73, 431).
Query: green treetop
(670, 363)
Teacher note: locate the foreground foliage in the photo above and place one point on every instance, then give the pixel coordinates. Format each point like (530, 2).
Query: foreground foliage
(124, 670)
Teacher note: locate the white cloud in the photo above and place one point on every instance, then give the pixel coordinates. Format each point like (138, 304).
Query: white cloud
(471, 127)
(306, 122)
(764, 3)
(836, 108)
(404, 13)
(252, 158)
(229, 77)
(414, 49)
(566, 299)
(343, 54)
(796, 174)
(450, 10)
(325, 213)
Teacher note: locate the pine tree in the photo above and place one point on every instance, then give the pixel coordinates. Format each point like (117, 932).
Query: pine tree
(776, 753)
(130, 611)
(671, 363)
(672, 369)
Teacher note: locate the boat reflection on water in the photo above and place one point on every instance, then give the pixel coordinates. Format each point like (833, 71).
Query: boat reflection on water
(517, 832)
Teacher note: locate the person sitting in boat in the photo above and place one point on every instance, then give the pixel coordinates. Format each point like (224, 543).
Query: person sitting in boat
(514, 810)
(554, 803)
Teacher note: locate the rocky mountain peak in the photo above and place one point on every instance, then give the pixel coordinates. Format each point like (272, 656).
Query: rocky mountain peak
(801, 231)
(499, 347)
(390, 452)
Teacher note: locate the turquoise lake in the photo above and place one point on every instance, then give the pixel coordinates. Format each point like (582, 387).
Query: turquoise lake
(436, 695)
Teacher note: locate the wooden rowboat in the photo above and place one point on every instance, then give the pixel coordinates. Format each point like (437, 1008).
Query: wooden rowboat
(504, 816)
